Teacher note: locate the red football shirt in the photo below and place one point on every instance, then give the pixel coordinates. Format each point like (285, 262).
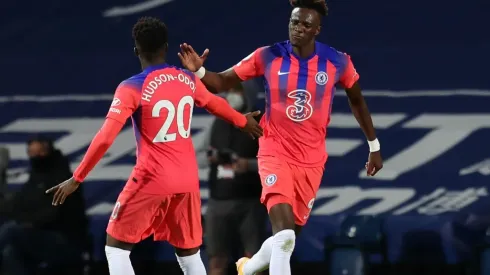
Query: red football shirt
(299, 96)
(160, 101)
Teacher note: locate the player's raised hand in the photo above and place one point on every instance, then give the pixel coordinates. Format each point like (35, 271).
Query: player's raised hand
(63, 190)
(374, 164)
(252, 127)
(190, 59)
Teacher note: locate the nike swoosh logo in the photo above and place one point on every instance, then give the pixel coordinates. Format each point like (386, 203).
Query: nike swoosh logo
(282, 73)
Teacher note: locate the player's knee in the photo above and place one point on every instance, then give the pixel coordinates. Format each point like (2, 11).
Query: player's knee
(184, 252)
(285, 240)
(113, 242)
(282, 217)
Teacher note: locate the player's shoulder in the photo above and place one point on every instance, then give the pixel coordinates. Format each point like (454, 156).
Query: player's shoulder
(273, 51)
(190, 74)
(283, 48)
(331, 54)
(328, 52)
(177, 70)
(136, 81)
(278, 49)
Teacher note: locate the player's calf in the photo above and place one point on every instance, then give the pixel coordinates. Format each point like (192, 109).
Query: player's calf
(283, 242)
(261, 260)
(190, 261)
(282, 248)
(117, 253)
(218, 265)
(283, 224)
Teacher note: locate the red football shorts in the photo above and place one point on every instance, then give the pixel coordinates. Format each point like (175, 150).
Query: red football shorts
(283, 182)
(173, 218)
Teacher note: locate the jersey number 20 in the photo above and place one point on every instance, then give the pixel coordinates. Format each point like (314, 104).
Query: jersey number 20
(163, 135)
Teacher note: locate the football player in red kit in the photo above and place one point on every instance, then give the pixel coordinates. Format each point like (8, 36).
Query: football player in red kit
(300, 78)
(161, 197)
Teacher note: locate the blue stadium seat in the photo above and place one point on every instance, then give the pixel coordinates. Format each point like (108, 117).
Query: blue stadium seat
(481, 254)
(366, 230)
(358, 235)
(485, 261)
(347, 261)
(81, 266)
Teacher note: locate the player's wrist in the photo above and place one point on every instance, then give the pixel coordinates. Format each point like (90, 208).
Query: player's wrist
(374, 145)
(241, 122)
(201, 72)
(78, 179)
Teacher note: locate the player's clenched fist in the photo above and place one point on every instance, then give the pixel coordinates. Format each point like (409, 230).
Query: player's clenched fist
(374, 164)
(63, 190)
(252, 127)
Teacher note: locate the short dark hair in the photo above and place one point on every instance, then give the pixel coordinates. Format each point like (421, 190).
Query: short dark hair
(150, 34)
(319, 5)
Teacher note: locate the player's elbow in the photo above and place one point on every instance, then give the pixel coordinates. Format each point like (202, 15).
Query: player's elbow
(213, 105)
(105, 143)
(355, 95)
(104, 140)
(356, 101)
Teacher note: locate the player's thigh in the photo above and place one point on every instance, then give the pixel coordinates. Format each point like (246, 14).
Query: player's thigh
(133, 216)
(219, 227)
(252, 225)
(307, 183)
(181, 225)
(277, 181)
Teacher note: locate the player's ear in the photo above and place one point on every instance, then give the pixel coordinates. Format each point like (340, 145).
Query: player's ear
(136, 52)
(166, 47)
(318, 30)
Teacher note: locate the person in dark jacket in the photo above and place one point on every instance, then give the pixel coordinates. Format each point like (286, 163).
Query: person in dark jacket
(36, 232)
(4, 162)
(234, 214)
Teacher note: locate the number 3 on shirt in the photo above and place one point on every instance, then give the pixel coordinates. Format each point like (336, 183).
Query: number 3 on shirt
(163, 135)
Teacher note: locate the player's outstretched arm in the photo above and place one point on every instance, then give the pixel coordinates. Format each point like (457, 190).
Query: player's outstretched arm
(215, 82)
(219, 82)
(97, 149)
(126, 101)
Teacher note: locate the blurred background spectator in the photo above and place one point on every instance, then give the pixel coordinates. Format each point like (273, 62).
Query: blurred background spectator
(235, 221)
(33, 232)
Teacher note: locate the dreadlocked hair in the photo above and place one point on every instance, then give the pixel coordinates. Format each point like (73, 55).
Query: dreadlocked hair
(150, 34)
(319, 5)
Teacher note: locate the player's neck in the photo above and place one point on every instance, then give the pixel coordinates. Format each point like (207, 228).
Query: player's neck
(305, 51)
(145, 64)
